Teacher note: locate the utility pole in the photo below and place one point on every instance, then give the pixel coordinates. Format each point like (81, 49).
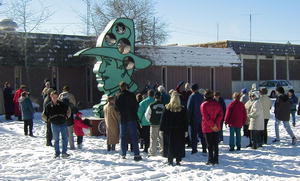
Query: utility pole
(250, 27)
(153, 36)
(217, 32)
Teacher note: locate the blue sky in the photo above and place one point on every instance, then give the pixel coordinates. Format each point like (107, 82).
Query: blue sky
(195, 21)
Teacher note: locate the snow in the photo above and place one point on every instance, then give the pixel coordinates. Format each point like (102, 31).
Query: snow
(27, 158)
(190, 56)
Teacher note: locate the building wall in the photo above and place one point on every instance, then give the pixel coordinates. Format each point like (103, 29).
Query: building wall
(202, 76)
(223, 81)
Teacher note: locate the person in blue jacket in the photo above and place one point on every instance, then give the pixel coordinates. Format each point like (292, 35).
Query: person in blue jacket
(194, 116)
(294, 101)
(27, 112)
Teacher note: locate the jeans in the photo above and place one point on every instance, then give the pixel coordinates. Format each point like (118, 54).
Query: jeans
(196, 131)
(28, 124)
(287, 127)
(132, 128)
(212, 140)
(237, 132)
(154, 136)
(71, 136)
(293, 113)
(63, 130)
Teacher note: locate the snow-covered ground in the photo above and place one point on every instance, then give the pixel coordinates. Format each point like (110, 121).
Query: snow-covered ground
(27, 158)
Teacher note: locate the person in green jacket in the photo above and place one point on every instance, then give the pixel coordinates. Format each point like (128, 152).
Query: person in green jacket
(144, 122)
(27, 112)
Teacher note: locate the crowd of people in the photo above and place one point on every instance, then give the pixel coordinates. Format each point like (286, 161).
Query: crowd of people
(159, 122)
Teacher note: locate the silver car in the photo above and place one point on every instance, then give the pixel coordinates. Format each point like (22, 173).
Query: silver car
(271, 85)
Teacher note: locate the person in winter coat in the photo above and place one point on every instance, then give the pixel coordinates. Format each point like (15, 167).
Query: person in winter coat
(194, 117)
(69, 100)
(48, 123)
(153, 115)
(46, 88)
(220, 100)
(78, 126)
(8, 101)
(235, 118)
(212, 115)
(165, 97)
(174, 125)
(127, 105)
(282, 114)
(27, 112)
(294, 101)
(112, 120)
(144, 122)
(244, 99)
(57, 113)
(16, 101)
(256, 116)
(267, 105)
(185, 94)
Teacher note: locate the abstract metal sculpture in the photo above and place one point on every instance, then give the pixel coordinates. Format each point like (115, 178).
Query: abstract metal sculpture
(116, 59)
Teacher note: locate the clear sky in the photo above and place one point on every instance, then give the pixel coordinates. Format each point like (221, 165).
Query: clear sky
(195, 21)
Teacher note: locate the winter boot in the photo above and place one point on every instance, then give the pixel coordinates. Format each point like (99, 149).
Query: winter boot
(79, 146)
(275, 140)
(108, 147)
(65, 155)
(113, 147)
(231, 149)
(137, 158)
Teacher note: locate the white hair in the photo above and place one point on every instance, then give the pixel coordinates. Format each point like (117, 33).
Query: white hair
(161, 88)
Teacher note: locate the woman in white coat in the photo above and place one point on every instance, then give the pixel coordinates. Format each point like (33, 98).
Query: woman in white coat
(256, 116)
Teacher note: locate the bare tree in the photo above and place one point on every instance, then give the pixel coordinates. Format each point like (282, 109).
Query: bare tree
(149, 30)
(28, 19)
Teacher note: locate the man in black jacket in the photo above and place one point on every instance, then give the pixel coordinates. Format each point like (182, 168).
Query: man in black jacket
(57, 113)
(127, 105)
(282, 114)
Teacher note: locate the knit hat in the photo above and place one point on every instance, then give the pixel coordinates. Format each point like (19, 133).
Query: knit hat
(195, 87)
(244, 91)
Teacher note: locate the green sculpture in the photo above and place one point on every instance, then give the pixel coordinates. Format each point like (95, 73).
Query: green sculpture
(116, 60)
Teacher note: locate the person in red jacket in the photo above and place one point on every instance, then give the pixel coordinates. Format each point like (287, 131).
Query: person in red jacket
(212, 114)
(16, 101)
(235, 117)
(78, 125)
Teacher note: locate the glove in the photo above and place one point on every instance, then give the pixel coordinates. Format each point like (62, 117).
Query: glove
(186, 134)
(215, 128)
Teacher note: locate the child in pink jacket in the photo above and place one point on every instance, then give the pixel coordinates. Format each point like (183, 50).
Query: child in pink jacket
(78, 125)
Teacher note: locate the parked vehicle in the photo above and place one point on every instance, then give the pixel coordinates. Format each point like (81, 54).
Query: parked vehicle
(271, 85)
